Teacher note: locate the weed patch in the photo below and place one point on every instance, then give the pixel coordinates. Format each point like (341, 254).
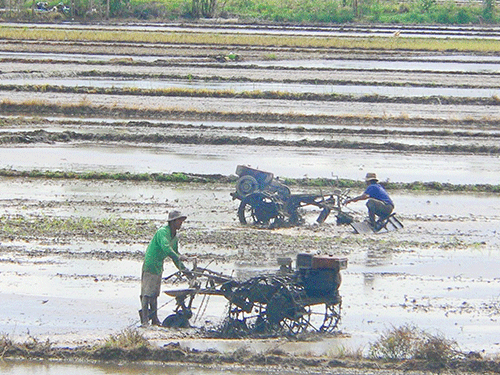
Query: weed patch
(126, 339)
(410, 343)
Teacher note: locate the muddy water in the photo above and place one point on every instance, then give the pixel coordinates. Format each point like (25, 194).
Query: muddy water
(439, 273)
(404, 137)
(71, 57)
(288, 162)
(283, 129)
(260, 86)
(275, 106)
(49, 368)
(493, 67)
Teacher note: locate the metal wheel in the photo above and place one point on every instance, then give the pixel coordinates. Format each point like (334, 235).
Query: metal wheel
(284, 192)
(250, 302)
(247, 322)
(262, 303)
(286, 311)
(259, 209)
(324, 317)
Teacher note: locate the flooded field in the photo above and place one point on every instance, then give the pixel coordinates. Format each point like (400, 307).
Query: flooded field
(71, 249)
(259, 86)
(438, 273)
(293, 163)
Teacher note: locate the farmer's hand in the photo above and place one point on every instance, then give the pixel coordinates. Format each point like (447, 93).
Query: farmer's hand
(188, 274)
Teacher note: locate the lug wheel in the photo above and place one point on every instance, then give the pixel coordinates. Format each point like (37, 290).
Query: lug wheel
(286, 311)
(259, 209)
(324, 317)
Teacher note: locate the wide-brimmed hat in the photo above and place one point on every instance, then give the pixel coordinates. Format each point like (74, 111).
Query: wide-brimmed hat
(371, 177)
(174, 215)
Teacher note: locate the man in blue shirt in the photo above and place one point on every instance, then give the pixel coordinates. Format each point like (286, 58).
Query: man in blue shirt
(379, 203)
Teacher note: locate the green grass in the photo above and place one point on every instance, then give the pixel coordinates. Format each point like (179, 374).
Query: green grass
(390, 11)
(295, 11)
(291, 11)
(164, 9)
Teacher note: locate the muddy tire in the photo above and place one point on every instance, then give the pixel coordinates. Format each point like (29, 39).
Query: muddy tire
(259, 209)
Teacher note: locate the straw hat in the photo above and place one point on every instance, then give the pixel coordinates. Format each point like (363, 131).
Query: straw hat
(174, 215)
(371, 177)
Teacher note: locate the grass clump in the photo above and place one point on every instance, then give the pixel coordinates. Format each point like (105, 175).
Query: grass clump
(344, 352)
(126, 339)
(410, 343)
(128, 344)
(30, 348)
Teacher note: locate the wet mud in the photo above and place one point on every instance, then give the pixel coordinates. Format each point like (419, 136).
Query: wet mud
(255, 94)
(42, 136)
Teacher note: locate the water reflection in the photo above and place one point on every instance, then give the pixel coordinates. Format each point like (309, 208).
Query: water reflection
(386, 65)
(284, 162)
(368, 281)
(8, 367)
(378, 257)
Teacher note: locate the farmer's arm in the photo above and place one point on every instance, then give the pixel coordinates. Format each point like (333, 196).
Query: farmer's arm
(358, 198)
(168, 251)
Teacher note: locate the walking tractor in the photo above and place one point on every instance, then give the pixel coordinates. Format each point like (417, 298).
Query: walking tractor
(266, 201)
(289, 301)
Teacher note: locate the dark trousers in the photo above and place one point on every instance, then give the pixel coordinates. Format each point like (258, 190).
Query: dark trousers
(378, 208)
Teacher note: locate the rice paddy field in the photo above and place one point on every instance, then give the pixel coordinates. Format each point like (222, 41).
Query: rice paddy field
(104, 130)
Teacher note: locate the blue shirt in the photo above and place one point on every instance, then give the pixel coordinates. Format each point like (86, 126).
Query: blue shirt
(376, 191)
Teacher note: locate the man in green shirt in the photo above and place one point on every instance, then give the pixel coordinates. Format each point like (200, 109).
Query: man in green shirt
(164, 244)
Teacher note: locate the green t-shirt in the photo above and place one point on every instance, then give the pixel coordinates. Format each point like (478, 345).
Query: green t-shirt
(161, 246)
